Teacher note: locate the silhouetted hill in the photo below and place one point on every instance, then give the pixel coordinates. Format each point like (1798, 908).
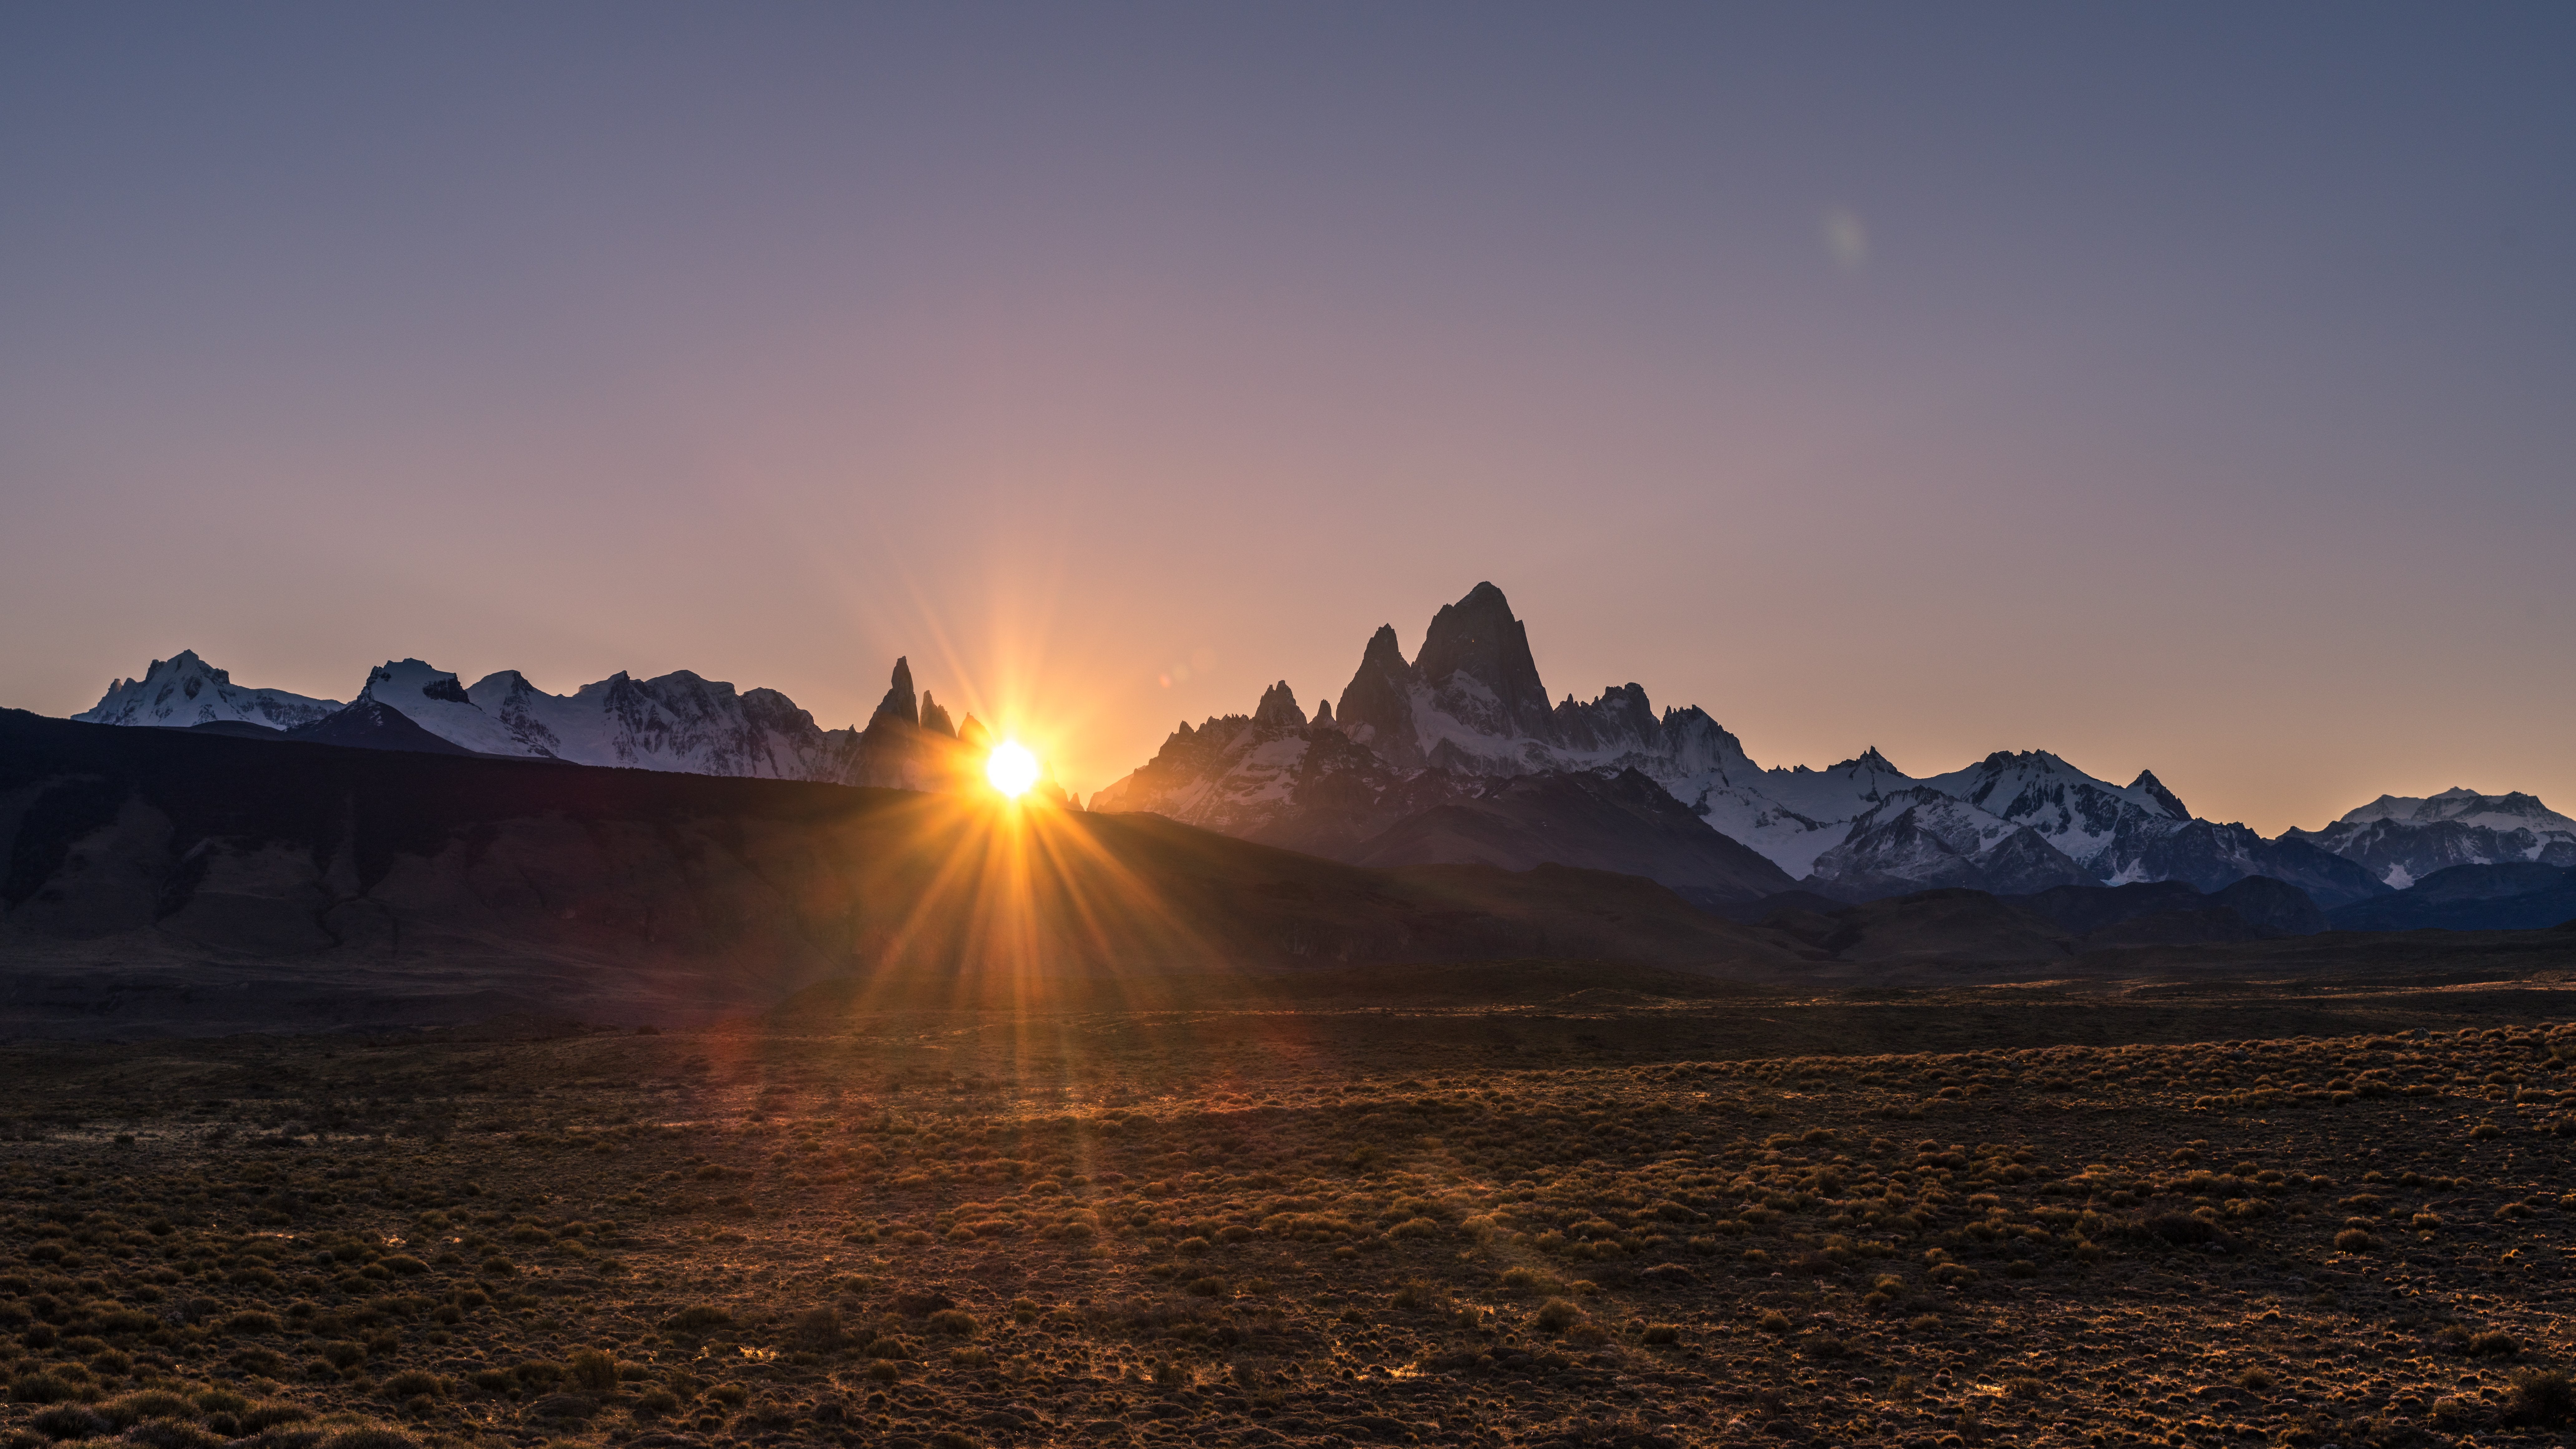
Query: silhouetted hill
(174, 876)
(2523, 896)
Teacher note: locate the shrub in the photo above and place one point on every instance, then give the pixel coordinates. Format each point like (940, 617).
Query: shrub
(1557, 1315)
(543, 1373)
(412, 1383)
(171, 1434)
(595, 1372)
(2494, 1343)
(2545, 1399)
(1663, 1333)
(371, 1437)
(271, 1414)
(41, 1387)
(698, 1319)
(2355, 1240)
(70, 1421)
(133, 1409)
(1207, 1287)
(955, 1322)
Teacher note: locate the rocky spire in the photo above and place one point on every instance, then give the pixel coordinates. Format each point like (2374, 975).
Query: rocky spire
(1279, 707)
(1324, 712)
(898, 707)
(934, 718)
(1373, 707)
(1478, 637)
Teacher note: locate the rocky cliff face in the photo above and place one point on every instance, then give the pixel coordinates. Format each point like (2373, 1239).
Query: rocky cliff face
(1409, 736)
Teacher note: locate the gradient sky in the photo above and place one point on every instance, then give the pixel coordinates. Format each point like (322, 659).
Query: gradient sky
(2165, 386)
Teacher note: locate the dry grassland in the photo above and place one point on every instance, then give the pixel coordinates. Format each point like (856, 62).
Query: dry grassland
(2308, 1218)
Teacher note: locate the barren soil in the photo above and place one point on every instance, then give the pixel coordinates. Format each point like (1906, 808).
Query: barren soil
(1592, 1215)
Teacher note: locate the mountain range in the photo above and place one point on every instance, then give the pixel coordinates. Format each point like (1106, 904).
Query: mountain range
(678, 722)
(1457, 756)
(1446, 730)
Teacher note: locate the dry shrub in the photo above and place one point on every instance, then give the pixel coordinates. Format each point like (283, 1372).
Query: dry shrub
(1557, 1315)
(1418, 1294)
(2544, 1398)
(596, 1373)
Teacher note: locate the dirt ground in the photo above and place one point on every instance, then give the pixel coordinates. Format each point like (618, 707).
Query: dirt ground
(2309, 1214)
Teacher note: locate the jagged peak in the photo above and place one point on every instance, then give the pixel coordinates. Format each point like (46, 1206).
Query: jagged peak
(934, 718)
(1279, 707)
(899, 707)
(1868, 761)
(2154, 789)
(1479, 637)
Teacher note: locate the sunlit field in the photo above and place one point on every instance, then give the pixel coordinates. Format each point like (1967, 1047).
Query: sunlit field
(1601, 1217)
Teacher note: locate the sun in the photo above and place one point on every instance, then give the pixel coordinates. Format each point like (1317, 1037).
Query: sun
(1011, 768)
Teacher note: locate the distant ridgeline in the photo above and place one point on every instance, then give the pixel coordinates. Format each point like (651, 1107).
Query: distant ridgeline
(678, 722)
(1459, 756)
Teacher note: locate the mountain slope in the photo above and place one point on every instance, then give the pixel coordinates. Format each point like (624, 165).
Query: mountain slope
(2401, 840)
(1407, 738)
(185, 690)
(171, 866)
(1623, 822)
(2518, 896)
(678, 722)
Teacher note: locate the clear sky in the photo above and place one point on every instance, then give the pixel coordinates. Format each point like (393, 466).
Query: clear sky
(2172, 386)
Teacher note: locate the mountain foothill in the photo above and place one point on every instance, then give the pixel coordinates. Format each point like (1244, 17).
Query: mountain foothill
(650, 847)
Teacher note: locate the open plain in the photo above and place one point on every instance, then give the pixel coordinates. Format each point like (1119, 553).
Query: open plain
(1592, 1206)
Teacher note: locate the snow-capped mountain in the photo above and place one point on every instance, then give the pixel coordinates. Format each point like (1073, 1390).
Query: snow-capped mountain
(1917, 838)
(1407, 736)
(185, 690)
(677, 722)
(2402, 839)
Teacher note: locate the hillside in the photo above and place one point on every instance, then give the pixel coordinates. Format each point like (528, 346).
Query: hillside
(167, 877)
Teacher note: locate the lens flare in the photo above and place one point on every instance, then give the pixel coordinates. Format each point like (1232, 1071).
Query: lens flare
(1011, 768)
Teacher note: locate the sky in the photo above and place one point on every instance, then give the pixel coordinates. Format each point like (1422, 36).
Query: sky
(2186, 387)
